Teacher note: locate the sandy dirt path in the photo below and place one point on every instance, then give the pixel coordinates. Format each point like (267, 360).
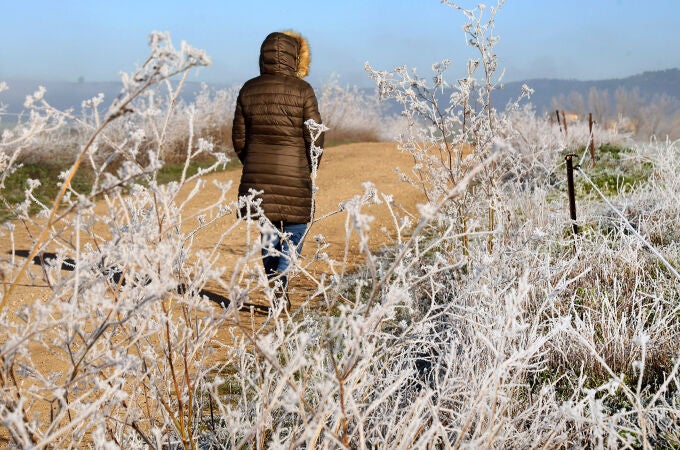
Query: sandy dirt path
(341, 174)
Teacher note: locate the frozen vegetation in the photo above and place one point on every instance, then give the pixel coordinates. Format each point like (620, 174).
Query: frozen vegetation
(486, 323)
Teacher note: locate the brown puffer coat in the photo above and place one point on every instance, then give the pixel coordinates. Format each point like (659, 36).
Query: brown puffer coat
(269, 134)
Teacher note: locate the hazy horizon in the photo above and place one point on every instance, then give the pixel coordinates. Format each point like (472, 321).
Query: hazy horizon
(224, 84)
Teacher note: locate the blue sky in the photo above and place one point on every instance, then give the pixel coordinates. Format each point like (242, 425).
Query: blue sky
(575, 39)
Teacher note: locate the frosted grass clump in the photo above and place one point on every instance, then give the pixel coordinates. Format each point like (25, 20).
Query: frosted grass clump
(354, 115)
(485, 324)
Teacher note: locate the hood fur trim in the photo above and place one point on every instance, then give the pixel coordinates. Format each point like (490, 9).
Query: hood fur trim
(304, 57)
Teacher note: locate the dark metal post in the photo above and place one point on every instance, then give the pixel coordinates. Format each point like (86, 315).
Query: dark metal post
(570, 191)
(557, 113)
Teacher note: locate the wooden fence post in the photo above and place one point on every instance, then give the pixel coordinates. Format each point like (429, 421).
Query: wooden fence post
(591, 144)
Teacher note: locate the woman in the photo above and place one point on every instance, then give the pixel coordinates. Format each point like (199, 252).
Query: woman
(273, 143)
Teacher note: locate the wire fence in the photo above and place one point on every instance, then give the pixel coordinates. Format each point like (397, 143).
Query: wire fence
(626, 222)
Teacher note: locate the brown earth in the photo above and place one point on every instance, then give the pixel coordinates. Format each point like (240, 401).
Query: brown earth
(342, 172)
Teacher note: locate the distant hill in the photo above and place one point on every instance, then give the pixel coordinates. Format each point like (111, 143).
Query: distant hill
(65, 95)
(648, 84)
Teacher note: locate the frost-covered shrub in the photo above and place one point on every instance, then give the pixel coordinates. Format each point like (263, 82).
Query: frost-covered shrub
(448, 139)
(166, 118)
(161, 123)
(162, 119)
(125, 328)
(354, 115)
(441, 340)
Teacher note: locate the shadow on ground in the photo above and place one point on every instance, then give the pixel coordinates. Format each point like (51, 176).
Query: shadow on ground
(49, 259)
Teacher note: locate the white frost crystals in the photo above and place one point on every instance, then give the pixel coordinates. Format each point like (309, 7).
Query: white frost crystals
(483, 323)
(122, 310)
(163, 63)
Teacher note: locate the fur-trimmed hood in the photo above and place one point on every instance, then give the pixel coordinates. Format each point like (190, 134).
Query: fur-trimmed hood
(285, 52)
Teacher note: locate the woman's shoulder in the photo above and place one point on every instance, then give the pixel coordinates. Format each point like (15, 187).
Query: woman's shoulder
(269, 81)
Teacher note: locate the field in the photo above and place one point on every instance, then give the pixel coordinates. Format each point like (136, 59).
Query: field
(442, 299)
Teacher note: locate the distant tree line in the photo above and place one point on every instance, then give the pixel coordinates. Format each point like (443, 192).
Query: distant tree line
(626, 111)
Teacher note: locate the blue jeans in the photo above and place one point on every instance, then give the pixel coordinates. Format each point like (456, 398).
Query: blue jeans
(276, 252)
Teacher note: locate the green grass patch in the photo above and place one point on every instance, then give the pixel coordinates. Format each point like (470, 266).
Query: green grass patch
(613, 174)
(615, 170)
(173, 172)
(611, 183)
(17, 183)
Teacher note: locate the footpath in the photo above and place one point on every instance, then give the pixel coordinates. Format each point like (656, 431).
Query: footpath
(343, 171)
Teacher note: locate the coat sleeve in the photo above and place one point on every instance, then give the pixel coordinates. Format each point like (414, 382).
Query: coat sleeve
(238, 131)
(311, 111)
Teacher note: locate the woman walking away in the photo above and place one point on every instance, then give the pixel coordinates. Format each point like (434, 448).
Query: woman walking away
(274, 145)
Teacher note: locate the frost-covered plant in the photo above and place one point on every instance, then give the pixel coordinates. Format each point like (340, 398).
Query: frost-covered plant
(453, 127)
(536, 346)
(15, 141)
(545, 340)
(352, 114)
(166, 118)
(160, 124)
(126, 331)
